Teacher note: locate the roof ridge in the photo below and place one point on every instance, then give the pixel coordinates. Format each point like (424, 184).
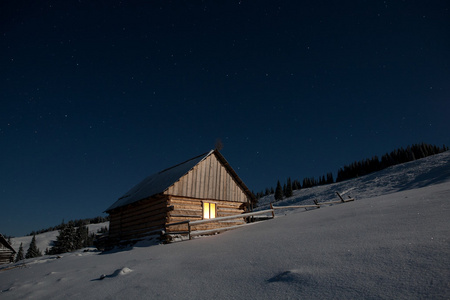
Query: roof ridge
(204, 154)
(159, 182)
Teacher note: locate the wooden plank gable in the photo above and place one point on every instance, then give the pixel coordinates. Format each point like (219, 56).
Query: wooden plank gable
(209, 179)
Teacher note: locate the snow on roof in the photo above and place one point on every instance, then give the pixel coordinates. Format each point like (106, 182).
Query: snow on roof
(157, 183)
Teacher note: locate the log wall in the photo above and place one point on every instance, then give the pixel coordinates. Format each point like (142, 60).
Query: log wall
(6, 255)
(138, 220)
(192, 209)
(149, 217)
(209, 179)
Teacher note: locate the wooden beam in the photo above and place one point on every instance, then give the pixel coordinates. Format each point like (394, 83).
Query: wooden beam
(335, 202)
(339, 195)
(296, 206)
(232, 217)
(209, 226)
(345, 200)
(177, 223)
(209, 231)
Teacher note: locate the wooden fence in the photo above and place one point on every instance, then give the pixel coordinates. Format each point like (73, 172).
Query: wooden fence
(316, 204)
(216, 230)
(245, 215)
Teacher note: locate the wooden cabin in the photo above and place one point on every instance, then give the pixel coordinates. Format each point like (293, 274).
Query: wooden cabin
(202, 187)
(7, 252)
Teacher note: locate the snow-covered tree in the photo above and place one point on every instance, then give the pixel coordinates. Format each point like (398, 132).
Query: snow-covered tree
(70, 239)
(19, 255)
(33, 250)
(65, 241)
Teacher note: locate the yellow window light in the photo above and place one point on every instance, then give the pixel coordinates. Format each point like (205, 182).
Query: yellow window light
(205, 210)
(209, 210)
(212, 210)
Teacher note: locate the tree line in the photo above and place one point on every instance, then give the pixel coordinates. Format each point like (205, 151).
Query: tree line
(398, 156)
(354, 170)
(76, 223)
(70, 238)
(33, 251)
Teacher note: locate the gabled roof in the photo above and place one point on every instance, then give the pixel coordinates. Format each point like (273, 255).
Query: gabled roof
(5, 243)
(157, 183)
(161, 181)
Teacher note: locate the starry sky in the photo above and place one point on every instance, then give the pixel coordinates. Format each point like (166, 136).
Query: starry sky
(97, 95)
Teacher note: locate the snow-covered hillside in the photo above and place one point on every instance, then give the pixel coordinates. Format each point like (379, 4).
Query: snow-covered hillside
(415, 174)
(393, 242)
(45, 240)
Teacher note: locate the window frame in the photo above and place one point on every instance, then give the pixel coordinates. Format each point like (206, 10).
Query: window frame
(209, 203)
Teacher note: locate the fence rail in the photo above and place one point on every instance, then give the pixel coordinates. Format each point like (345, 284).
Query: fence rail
(231, 217)
(198, 222)
(272, 209)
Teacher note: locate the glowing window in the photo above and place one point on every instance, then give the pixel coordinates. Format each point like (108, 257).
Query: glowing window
(209, 210)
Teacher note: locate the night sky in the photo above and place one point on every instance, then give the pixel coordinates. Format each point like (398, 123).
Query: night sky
(97, 95)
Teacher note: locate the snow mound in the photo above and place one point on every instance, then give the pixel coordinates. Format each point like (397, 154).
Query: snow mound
(118, 272)
(123, 271)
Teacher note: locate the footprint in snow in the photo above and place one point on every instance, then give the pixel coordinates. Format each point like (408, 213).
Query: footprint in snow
(116, 273)
(293, 276)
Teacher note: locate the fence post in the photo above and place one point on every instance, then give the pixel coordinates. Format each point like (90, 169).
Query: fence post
(339, 195)
(189, 230)
(273, 211)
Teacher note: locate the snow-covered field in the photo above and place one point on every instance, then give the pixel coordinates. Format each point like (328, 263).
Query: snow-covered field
(393, 242)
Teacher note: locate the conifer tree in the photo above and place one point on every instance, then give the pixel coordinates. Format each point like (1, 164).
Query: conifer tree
(66, 240)
(80, 236)
(278, 191)
(322, 180)
(288, 191)
(83, 239)
(19, 255)
(329, 178)
(33, 250)
(70, 239)
(294, 185)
